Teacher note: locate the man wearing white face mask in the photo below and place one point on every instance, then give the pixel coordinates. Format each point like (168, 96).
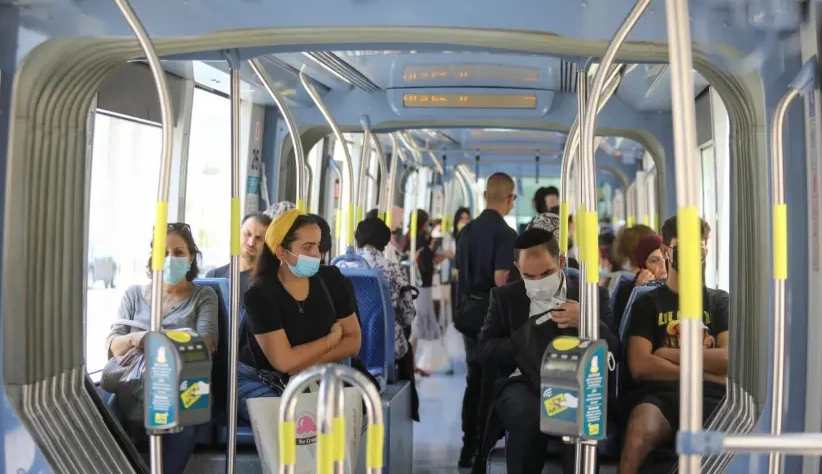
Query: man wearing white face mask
(537, 309)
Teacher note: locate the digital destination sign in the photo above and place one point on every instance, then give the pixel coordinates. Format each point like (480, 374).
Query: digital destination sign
(469, 72)
(470, 101)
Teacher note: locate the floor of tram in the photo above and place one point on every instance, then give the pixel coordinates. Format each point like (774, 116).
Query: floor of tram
(438, 436)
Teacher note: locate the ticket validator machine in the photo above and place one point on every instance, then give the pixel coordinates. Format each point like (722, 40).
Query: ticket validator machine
(177, 381)
(574, 379)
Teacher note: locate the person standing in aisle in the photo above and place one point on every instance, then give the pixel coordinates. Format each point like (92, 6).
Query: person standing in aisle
(485, 255)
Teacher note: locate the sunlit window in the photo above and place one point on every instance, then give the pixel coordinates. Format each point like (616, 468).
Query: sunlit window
(124, 172)
(208, 181)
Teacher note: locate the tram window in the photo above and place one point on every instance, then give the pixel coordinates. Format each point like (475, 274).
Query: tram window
(709, 211)
(124, 168)
(208, 180)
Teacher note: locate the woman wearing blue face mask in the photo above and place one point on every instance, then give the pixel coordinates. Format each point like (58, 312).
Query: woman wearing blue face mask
(184, 305)
(298, 312)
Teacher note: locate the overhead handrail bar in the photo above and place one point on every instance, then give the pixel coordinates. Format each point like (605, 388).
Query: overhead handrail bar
(233, 59)
(390, 184)
(293, 130)
(315, 96)
(589, 258)
(570, 152)
(158, 251)
(689, 267)
(331, 435)
(650, 178)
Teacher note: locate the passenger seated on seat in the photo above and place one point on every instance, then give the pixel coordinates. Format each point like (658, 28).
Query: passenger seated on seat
(184, 305)
(626, 249)
(650, 266)
(298, 311)
(372, 237)
(526, 306)
(651, 398)
(252, 238)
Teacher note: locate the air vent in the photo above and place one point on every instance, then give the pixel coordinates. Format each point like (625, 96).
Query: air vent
(568, 77)
(341, 68)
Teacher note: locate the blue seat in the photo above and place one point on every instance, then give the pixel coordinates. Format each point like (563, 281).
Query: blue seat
(376, 320)
(624, 277)
(220, 368)
(572, 272)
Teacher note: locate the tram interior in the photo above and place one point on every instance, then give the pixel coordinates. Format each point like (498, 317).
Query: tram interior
(450, 102)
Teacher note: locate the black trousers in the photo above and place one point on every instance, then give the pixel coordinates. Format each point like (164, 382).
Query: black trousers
(525, 451)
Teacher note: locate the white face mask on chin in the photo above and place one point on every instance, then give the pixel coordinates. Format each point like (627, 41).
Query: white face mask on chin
(543, 289)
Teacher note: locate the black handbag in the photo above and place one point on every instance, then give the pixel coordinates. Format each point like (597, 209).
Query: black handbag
(470, 313)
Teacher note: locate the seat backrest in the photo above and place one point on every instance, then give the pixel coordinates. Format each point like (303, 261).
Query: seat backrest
(376, 320)
(350, 255)
(572, 272)
(624, 277)
(220, 366)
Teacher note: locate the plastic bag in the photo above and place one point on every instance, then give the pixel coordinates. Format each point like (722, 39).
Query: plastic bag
(454, 344)
(135, 363)
(431, 356)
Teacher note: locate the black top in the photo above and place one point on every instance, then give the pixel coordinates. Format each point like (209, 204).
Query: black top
(271, 308)
(622, 294)
(655, 317)
(225, 272)
(425, 261)
(484, 246)
(508, 315)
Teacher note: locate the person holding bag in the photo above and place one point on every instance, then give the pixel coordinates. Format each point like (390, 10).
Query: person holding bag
(298, 311)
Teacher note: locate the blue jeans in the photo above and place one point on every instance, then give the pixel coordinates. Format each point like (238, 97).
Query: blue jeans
(249, 386)
(177, 448)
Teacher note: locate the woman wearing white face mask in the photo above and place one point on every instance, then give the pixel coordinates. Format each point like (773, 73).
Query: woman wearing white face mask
(299, 313)
(184, 305)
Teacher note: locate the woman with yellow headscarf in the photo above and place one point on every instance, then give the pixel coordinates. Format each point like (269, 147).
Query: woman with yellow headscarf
(298, 313)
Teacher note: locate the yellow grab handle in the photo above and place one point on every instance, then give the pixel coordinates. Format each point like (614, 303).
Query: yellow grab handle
(325, 452)
(235, 226)
(591, 251)
(350, 223)
(338, 224)
(288, 443)
(375, 446)
(339, 438)
(414, 224)
(158, 251)
(301, 206)
(563, 227)
(689, 262)
(780, 242)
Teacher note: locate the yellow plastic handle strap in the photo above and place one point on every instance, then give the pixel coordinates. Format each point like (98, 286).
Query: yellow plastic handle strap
(339, 438)
(158, 251)
(325, 452)
(414, 224)
(301, 206)
(689, 262)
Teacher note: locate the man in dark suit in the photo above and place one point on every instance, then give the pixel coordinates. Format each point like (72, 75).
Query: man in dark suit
(544, 302)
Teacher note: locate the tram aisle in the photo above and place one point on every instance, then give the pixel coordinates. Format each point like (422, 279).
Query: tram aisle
(438, 437)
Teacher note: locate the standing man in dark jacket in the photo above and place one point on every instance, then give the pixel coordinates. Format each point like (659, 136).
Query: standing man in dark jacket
(485, 252)
(527, 305)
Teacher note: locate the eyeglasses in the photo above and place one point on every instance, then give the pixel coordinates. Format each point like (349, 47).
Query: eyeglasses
(181, 227)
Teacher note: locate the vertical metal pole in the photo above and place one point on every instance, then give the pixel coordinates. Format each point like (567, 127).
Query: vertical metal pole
(158, 251)
(293, 131)
(365, 154)
(382, 162)
(233, 60)
(806, 77)
(588, 221)
(315, 96)
(688, 183)
(780, 272)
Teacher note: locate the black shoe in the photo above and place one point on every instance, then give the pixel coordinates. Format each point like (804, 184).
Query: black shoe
(466, 459)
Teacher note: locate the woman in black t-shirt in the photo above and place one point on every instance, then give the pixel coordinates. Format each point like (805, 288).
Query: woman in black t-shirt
(298, 312)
